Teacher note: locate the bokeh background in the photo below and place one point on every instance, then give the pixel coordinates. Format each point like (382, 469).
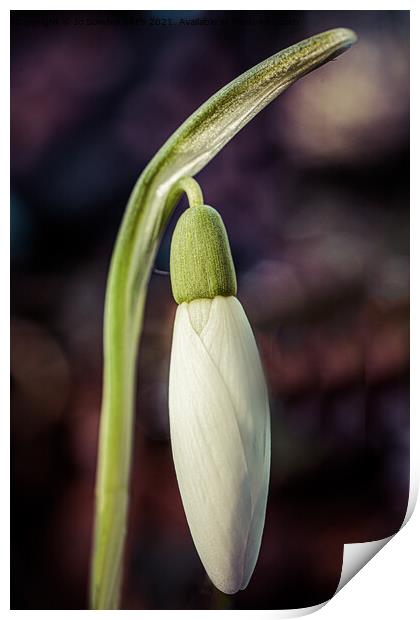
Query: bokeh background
(315, 197)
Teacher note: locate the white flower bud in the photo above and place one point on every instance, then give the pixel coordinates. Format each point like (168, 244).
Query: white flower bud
(220, 434)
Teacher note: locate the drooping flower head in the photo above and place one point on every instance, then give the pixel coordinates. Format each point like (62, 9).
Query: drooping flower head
(218, 404)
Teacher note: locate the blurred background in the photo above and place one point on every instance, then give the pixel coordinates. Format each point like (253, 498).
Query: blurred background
(315, 197)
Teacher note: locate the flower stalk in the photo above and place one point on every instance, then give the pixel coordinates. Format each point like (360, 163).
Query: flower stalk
(149, 207)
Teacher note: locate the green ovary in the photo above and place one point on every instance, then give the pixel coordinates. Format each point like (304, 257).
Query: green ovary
(201, 260)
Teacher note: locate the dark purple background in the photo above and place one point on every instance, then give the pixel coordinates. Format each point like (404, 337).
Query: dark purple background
(314, 194)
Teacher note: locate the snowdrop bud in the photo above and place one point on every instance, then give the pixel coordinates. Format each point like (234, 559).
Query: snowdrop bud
(218, 404)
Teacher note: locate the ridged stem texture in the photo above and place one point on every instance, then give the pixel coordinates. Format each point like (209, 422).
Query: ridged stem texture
(151, 203)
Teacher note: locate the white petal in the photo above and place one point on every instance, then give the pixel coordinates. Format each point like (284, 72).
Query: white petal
(220, 436)
(230, 342)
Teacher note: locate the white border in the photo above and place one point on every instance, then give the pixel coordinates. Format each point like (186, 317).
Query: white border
(389, 582)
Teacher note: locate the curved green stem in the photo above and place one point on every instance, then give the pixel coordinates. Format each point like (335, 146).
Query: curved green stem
(190, 187)
(151, 202)
(114, 457)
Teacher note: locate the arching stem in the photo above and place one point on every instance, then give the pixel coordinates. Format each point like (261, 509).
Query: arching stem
(192, 190)
(115, 439)
(152, 201)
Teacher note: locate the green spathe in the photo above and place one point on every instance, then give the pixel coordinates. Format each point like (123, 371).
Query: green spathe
(193, 145)
(201, 260)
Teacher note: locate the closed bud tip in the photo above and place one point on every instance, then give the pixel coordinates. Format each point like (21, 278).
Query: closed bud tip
(201, 262)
